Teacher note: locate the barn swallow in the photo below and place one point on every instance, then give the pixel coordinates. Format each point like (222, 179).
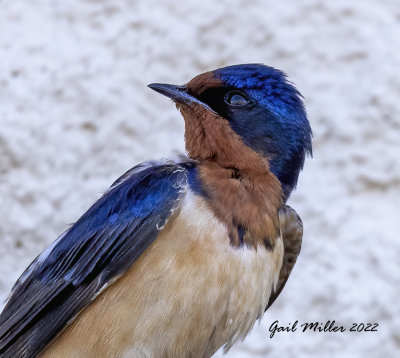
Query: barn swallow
(178, 257)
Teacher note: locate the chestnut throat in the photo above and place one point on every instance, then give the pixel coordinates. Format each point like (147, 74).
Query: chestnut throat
(240, 189)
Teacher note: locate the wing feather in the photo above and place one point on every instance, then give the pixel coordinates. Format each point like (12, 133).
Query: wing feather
(292, 234)
(95, 251)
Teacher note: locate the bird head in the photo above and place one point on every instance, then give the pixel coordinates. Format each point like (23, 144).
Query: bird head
(237, 115)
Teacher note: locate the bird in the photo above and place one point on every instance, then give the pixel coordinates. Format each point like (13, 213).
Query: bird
(179, 257)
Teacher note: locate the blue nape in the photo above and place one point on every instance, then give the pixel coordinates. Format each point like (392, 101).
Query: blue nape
(274, 123)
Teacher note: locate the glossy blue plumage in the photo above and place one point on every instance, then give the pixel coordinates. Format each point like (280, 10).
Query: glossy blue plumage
(276, 124)
(105, 242)
(99, 247)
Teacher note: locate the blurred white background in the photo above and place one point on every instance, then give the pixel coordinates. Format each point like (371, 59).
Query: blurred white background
(75, 113)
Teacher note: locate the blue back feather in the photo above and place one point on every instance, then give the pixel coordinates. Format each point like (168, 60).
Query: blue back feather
(98, 248)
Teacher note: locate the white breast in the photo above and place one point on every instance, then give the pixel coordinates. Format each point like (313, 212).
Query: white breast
(189, 294)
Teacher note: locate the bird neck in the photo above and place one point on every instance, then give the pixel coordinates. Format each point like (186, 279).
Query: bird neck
(208, 137)
(246, 203)
(287, 171)
(240, 189)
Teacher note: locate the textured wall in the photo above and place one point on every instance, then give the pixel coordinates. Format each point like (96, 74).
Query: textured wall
(75, 113)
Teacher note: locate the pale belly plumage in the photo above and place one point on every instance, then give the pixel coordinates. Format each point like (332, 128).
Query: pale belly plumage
(190, 293)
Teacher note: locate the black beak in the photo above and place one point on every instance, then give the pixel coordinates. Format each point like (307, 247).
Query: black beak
(178, 94)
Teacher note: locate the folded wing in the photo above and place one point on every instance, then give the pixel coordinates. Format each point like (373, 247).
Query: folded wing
(292, 234)
(89, 256)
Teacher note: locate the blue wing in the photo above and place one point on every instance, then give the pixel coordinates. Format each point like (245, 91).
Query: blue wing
(96, 250)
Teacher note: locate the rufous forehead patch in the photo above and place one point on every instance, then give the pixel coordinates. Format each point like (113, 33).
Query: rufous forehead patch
(200, 83)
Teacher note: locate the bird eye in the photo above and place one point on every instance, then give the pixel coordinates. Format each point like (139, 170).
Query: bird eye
(235, 98)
